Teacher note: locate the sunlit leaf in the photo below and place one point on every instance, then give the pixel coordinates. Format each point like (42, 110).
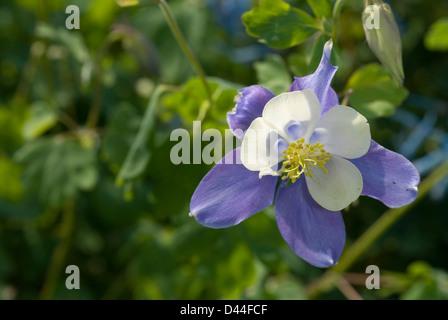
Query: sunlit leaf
(279, 25)
(127, 3)
(188, 101)
(42, 118)
(321, 8)
(375, 94)
(101, 13)
(436, 38)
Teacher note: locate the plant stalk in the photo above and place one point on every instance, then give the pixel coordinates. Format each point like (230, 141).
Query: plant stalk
(60, 253)
(184, 46)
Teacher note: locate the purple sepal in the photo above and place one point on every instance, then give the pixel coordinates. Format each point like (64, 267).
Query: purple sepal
(313, 233)
(230, 193)
(320, 81)
(249, 106)
(387, 176)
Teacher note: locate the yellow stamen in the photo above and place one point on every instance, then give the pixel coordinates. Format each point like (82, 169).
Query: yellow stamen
(303, 158)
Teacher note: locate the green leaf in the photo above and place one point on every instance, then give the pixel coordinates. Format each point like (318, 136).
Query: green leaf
(192, 263)
(272, 73)
(42, 118)
(10, 172)
(375, 94)
(436, 39)
(222, 262)
(286, 287)
(122, 126)
(427, 283)
(231, 284)
(187, 102)
(73, 41)
(279, 25)
(57, 169)
(321, 8)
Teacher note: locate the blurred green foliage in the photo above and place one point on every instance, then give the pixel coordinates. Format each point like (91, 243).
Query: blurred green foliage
(272, 73)
(85, 121)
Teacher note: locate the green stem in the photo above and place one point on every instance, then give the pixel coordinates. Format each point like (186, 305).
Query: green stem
(206, 105)
(59, 253)
(183, 44)
(95, 110)
(387, 220)
(68, 121)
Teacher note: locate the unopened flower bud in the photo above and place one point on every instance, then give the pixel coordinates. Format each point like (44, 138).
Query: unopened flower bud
(383, 37)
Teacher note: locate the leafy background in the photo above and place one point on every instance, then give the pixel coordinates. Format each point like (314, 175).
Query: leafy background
(85, 123)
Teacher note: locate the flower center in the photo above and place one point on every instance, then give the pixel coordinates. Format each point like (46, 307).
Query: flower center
(304, 158)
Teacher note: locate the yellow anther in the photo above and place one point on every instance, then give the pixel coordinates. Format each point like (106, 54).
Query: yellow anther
(303, 158)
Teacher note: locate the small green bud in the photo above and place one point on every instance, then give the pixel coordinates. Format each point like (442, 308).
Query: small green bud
(383, 37)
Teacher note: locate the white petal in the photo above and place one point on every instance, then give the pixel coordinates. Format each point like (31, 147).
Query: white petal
(294, 114)
(339, 187)
(262, 147)
(344, 132)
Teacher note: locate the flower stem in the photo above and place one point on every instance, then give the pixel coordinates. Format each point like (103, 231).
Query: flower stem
(387, 220)
(185, 48)
(59, 253)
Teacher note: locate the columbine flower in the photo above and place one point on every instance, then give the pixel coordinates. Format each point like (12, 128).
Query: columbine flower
(292, 131)
(323, 156)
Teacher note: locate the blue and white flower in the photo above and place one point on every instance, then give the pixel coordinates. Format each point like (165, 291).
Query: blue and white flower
(309, 156)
